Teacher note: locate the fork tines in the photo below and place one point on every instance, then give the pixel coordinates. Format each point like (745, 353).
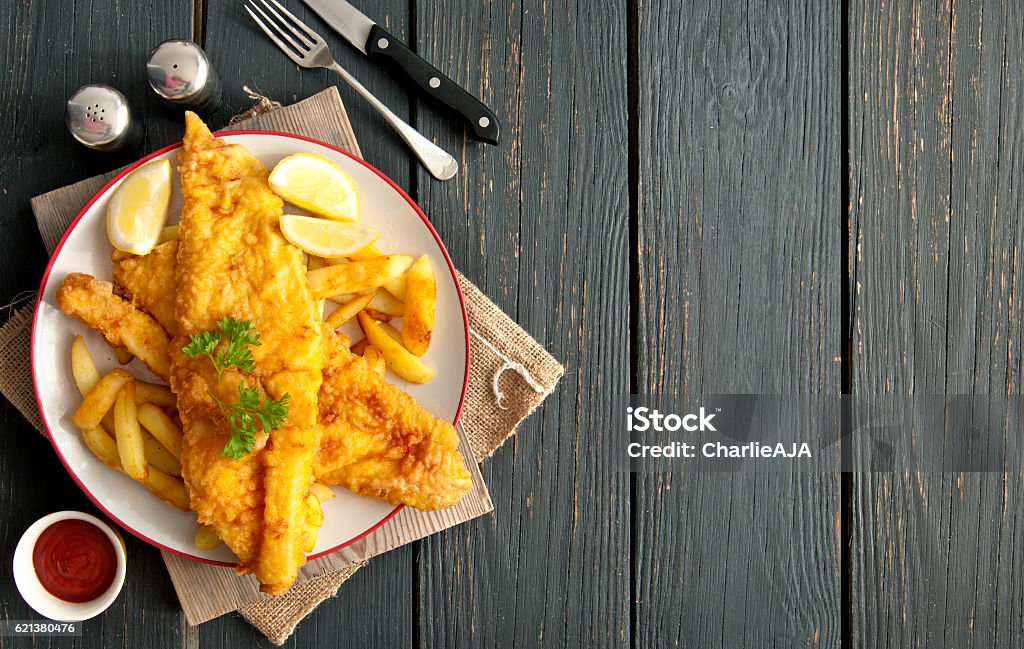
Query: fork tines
(278, 27)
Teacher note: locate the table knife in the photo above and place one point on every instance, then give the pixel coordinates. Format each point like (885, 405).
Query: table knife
(376, 43)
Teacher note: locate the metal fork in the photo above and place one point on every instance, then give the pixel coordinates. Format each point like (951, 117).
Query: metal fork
(308, 49)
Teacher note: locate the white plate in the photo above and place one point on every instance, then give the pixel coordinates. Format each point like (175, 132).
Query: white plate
(85, 248)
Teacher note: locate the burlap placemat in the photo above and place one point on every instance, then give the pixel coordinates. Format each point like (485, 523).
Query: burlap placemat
(510, 375)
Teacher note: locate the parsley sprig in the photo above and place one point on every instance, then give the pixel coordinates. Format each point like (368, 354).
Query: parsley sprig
(228, 346)
(237, 335)
(248, 416)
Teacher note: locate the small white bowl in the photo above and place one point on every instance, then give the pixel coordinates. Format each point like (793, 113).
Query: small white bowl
(39, 598)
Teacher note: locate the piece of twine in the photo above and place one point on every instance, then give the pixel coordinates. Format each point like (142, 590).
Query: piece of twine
(7, 310)
(518, 368)
(263, 104)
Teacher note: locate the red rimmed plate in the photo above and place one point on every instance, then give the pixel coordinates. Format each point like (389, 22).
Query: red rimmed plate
(85, 248)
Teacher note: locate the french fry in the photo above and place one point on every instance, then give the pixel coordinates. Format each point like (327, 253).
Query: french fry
(160, 457)
(130, 445)
(356, 276)
(161, 395)
(420, 303)
(316, 518)
(100, 399)
(342, 298)
(368, 252)
(169, 233)
(123, 355)
(108, 420)
(398, 359)
(321, 491)
(360, 347)
(309, 540)
(161, 427)
(377, 315)
(384, 302)
(375, 358)
(83, 368)
(395, 334)
(206, 538)
(396, 287)
(167, 488)
(102, 446)
(347, 311)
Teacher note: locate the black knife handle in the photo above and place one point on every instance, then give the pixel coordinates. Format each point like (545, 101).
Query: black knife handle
(482, 123)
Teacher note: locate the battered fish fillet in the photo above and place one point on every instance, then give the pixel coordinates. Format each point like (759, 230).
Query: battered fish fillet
(150, 281)
(233, 261)
(93, 302)
(376, 440)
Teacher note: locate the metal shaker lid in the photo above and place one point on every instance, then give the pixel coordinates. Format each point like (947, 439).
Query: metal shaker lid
(99, 117)
(178, 70)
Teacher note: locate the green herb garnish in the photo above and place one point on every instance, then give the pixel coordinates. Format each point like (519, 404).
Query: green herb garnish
(249, 415)
(237, 335)
(228, 346)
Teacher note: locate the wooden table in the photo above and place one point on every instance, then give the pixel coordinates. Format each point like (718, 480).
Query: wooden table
(689, 197)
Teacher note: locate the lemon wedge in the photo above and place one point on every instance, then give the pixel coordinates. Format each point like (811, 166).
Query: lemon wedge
(137, 210)
(325, 238)
(316, 184)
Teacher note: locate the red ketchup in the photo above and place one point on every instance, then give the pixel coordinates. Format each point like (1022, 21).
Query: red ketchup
(74, 560)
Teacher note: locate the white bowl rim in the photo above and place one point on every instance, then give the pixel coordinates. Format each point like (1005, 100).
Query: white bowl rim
(40, 599)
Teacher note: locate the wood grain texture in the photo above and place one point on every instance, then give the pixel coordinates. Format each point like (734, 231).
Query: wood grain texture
(935, 140)
(46, 56)
(739, 253)
(738, 228)
(541, 225)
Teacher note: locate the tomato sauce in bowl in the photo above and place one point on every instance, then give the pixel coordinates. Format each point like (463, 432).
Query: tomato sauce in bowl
(69, 566)
(74, 560)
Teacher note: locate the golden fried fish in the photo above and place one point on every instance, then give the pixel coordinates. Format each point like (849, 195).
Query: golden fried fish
(233, 262)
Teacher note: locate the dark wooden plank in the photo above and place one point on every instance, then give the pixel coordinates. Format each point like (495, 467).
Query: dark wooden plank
(739, 253)
(386, 584)
(47, 55)
(540, 224)
(935, 139)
